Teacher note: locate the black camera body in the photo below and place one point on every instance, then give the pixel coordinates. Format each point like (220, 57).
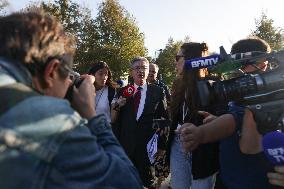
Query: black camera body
(76, 82)
(263, 93)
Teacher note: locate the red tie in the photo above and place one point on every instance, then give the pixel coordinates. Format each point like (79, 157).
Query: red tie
(137, 98)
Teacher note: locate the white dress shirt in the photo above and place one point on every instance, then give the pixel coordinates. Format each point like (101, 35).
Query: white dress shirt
(142, 99)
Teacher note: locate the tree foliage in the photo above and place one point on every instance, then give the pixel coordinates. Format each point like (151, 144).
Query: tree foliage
(266, 30)
(166, 61)
(112, 36)
(78, 22)
(119, 37)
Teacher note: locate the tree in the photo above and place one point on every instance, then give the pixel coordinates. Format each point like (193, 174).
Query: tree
(119, 37)
(78, 22)
(166, 61)
(271, 34)
(3, 5)
(112, 36)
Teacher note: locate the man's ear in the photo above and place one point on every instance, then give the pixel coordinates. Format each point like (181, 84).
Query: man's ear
(50, 72)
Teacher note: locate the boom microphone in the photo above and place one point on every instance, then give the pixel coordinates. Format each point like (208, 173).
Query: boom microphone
(273, 147)
(203, 62)
(224, 62)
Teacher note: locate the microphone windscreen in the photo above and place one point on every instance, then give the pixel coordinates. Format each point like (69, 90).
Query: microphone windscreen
(273, 147)
(128, 91)
(121, 83)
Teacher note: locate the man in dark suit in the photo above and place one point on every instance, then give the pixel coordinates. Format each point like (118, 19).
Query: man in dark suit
(134, 119)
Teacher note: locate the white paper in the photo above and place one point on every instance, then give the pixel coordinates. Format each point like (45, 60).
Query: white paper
(152, 147)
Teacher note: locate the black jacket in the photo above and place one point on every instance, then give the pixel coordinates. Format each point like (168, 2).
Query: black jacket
(134, 135)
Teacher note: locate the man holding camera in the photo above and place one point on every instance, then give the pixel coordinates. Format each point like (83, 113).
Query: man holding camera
(44, 142)
(241, 164)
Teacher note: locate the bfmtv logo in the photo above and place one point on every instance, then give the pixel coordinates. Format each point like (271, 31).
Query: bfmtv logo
(277, 154)
(203, 62)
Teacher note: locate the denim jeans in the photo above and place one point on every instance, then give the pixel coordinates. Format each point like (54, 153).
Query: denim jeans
(205, 183)
(180, 167)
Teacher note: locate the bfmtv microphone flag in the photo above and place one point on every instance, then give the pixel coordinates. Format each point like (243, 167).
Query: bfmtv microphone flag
(273, 147)
(204, 62)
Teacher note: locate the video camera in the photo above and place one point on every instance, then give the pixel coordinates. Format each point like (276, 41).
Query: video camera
(262, 93)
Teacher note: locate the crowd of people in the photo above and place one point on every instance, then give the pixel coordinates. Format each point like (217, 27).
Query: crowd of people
(102, 138)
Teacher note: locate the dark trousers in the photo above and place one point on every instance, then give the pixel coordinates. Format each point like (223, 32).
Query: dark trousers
(142, 164)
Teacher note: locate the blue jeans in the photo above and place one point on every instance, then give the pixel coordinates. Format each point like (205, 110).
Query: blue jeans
(180, 167)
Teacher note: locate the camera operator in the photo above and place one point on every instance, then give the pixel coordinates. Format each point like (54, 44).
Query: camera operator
(241, 164)
(44, 142)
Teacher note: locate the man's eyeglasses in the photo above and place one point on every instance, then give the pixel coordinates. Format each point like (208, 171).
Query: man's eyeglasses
(137, 68)
(178, 57)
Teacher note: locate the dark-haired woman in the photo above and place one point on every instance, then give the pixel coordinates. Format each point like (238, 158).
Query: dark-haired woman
(104, 88)
(194, 170)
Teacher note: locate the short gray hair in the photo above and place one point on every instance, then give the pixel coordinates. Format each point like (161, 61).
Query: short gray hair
(155, 65)
(138, 59)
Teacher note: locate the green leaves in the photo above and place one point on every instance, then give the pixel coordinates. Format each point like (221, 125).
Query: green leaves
(265, 30)
(112, 36)
(119, 35)
(166, 61)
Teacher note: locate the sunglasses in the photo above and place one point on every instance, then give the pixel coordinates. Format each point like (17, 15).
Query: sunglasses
(178, 57)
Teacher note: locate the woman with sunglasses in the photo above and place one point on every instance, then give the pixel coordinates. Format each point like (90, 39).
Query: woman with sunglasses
(194, 170)
(104, 88)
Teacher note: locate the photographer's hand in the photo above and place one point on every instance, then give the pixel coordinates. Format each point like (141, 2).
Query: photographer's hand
(277, 177)
(84, 97)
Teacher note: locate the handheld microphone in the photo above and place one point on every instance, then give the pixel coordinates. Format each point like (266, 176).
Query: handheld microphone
(273, 147)
(224, 62)
(128, 91)
(121, 83)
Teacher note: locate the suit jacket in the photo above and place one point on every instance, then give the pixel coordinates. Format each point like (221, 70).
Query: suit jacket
(134, 135)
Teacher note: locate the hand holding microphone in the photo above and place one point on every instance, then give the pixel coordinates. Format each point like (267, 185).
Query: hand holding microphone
(273, 146)
(127, 92)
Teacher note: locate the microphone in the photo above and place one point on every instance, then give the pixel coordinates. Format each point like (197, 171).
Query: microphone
(121, 83)
(273, 147)
(224, 62)
(128, 91)
(203, 62)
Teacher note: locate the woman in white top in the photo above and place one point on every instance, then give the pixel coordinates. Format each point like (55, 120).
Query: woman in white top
(104, 88)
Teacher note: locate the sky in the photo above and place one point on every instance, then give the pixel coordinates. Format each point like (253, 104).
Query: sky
(216, 22)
